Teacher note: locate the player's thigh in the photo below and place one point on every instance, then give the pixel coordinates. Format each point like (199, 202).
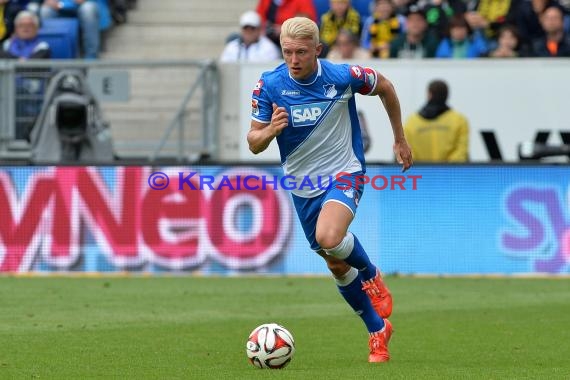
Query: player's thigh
(337, 211)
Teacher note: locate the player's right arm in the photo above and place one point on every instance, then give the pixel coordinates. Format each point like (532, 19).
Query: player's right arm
(368, 81)
(261, 134)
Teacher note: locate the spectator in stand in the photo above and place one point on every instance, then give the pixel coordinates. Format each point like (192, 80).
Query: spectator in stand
(528, 19)
(347, 46)
(438, 133)
(274, 13)
(251, 45)
(340, 16)
(490, 15)
(381, 28)
(8, 11)
(87, 11)
(417, 41)
(438, 13)
(24, 43)
(556, 42)
(460, 44)
(30, 83)
(509, 45)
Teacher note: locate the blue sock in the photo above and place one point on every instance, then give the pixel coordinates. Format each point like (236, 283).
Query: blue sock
(350, 288)
(351, 251)
(360, 260)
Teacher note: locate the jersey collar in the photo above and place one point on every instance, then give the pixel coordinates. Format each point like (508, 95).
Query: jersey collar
(312, 78)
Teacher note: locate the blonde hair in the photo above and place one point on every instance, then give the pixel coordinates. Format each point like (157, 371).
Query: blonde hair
(300, 28)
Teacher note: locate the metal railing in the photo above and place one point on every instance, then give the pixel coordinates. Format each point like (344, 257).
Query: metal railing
(163, 97)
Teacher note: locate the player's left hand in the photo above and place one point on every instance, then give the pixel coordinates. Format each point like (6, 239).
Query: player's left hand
(403, 154)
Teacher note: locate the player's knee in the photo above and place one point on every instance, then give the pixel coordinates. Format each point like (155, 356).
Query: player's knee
(329, 239)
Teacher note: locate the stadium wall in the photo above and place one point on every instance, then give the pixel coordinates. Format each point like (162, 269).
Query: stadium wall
(512, 98)
(443, 220)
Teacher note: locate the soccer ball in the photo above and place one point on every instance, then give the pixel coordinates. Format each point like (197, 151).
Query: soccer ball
(270, 346)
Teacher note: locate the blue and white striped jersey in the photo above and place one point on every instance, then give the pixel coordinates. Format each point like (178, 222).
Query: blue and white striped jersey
(323, 136)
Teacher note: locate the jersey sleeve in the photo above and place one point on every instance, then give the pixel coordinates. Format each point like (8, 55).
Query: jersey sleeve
(362, 79)
(261, 106)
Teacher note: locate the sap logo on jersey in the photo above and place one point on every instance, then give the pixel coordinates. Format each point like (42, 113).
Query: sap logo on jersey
(304, 115)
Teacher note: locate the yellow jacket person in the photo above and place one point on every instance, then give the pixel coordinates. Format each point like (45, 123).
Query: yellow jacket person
(436, 132)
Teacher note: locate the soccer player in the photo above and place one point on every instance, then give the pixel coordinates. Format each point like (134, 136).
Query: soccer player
(308, 105)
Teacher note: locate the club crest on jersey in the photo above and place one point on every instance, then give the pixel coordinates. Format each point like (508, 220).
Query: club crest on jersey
(304, 115)
(330, 91)
(349, 192)
(257, 88)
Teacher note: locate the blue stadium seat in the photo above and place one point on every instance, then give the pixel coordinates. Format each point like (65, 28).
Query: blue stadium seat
(60, 45)
(62, 34)
(322, 7)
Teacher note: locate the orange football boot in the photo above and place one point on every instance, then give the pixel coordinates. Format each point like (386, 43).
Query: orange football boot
(378, 344)
(379, 295)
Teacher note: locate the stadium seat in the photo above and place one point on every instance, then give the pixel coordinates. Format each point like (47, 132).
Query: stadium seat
(322, 7)
(61, 45)
(62, 34)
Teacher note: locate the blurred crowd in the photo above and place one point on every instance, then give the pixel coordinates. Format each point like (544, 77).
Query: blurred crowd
(53, 29)
(25, 27)
(382, 29)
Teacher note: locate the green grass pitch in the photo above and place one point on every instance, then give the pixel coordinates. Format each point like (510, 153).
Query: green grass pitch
(196, 328)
